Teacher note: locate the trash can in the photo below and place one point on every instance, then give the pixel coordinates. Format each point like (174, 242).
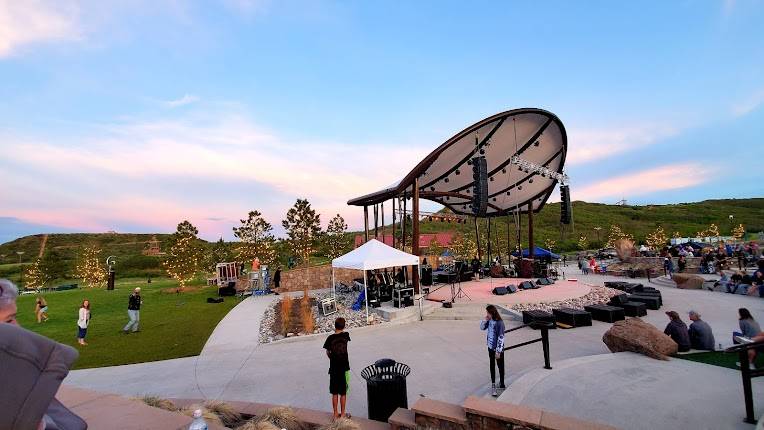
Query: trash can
(385, 388)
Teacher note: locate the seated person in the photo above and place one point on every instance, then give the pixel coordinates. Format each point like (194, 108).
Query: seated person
(677, 330)
(757, 280)
(701, 335)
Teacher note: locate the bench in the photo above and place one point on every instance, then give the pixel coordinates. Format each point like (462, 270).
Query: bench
(572, 317)
(536, 315)
(606, 313)
(652, 302)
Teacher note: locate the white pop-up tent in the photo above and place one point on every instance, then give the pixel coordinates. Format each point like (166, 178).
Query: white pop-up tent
(373, 255)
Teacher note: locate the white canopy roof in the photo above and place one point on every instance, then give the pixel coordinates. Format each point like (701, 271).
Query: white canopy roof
(375, 255)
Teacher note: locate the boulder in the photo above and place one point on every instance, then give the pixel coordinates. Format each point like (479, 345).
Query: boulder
(636, 335)
(688, 281)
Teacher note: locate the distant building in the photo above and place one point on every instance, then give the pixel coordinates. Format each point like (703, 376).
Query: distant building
(152, 247)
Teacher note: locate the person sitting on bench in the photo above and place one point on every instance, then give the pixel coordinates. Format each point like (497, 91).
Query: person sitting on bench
(701, 335)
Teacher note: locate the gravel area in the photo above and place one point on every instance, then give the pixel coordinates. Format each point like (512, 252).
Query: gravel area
(595, 296)
(324, 324)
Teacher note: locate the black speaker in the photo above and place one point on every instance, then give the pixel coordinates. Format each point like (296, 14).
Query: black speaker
(511, 288)
(500, 291)
(214, 300)
(527, 285)
(566, 210)
(479, 186)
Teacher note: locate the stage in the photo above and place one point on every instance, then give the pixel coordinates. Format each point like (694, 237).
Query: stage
(481, 292)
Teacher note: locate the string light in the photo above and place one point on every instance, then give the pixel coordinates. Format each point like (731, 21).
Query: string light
(185, 256)
(89, 267)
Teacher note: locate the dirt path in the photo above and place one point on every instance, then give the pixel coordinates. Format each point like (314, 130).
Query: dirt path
(42, 245)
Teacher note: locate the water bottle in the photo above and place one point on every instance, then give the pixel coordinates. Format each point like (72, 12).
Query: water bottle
(198, 423)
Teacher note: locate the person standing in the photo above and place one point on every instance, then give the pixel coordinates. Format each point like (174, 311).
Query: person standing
(336, 346)
(133, 311)
(701, 335)
(668, 267)
(277, 278)
(494, 326)
(41, 309)
(677, 330)
(83, 321)
(681, 264)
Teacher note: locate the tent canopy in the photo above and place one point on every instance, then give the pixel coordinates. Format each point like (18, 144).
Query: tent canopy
(375, 255)
(539, 253)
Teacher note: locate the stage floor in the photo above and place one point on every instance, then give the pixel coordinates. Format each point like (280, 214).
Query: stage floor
(481, 292)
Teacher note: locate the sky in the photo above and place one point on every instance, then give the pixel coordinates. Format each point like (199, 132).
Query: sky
(135, 115)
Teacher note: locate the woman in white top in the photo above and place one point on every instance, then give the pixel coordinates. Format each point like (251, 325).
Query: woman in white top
(83, 321)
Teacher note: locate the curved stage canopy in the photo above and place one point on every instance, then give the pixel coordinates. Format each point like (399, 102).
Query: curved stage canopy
(535, 136)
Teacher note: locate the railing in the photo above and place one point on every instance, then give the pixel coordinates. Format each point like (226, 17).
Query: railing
(748, 374)
(544, 339)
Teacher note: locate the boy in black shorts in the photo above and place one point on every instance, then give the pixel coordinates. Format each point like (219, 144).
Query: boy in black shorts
(336, 347)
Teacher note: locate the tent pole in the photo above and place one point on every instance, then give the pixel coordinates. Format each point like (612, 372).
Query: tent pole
(509, 252)
(366, 296)
(334, 289)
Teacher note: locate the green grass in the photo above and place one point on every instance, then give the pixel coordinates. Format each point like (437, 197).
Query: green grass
(172, 325)
(721, 359)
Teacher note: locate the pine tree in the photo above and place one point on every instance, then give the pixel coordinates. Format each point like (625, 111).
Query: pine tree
(185, 256)
(337, 241)
(303, 227)
(219, 253)
(89, 267)
(35, 276)
(257, 240)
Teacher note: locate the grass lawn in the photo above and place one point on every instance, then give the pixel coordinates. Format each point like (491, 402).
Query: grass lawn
(171, 326)
(721, 359)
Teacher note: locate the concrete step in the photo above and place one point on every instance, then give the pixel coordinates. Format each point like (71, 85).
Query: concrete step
(465, 311)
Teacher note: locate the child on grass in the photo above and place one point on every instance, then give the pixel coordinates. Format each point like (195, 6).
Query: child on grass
(336, 347)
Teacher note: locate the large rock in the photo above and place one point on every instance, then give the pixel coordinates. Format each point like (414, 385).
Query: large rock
(636, 335)
(688, 281)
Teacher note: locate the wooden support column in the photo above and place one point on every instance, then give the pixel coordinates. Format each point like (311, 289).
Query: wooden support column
(376, 221)
(365, 224)
(382, 209)
(403, 225)
(415, 232)
(531, 252)
(394, 205)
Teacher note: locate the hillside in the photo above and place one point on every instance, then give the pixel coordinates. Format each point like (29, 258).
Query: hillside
(686, 218)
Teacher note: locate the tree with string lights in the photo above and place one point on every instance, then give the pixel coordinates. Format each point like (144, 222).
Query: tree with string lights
(89, 267)
(615, 234)
(303, 227)
(463, 247)
(184, 259)
(35, 276)
(738, 232)
(337, 241)
(583, 242)
(657, 239)
(257, 241)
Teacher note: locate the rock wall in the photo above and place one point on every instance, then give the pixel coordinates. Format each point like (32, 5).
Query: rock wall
(315, 278)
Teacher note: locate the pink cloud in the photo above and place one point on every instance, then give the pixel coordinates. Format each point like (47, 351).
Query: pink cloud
(663, 178)
(590, 144)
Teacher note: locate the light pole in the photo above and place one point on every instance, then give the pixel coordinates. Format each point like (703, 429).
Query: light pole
(597, 231)
(20, 253)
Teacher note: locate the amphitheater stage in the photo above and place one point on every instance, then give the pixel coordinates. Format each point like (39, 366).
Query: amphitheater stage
(481, 291)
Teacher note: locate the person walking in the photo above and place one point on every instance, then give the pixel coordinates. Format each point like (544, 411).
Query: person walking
(678, 332)
(336, 346)
(494, 326)
(133, 311)
(83, 321)
(41, 309)
(668, 267)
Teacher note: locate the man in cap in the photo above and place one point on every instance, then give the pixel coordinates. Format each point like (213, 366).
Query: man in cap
(133, 311)
(701, 335)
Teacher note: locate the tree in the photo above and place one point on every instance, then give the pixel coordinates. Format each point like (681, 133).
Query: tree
(434, 248)
(657, 239)
(463, 247)
(256, 238)
(35, 276)
(89, 267)
(219, 253)
(550, 244)
(738, 232)
(303, 227)
(185, 256)
(615, 234)
(582, 242)
(337, 241)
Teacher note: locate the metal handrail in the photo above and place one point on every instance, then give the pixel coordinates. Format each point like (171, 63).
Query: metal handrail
(544, 339)
(747, 374)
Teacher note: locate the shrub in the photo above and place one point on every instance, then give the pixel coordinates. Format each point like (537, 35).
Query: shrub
(224, 411)
(306, 315)
(286, 311)
(341, 424)
(159, 402)
(281, 417)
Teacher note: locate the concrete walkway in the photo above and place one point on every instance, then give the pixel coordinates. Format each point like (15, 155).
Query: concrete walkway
(631, 391)
(448, 358)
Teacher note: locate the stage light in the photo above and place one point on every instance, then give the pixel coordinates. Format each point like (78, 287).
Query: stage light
(445, 180)
(482, 151)
(491, 179)
(494, 199)
(536, 143)
(457, 172)
(432, 188)
(469, 162)
(530, 181)
(503, 170)
(507, 192)
(520, 187)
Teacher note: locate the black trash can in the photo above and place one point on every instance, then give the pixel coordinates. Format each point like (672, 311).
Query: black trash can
(385, 388)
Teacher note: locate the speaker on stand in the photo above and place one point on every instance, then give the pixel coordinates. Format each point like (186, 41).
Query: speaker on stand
(479, 186)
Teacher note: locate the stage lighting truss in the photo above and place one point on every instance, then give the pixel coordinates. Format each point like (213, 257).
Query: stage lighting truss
(528, 167)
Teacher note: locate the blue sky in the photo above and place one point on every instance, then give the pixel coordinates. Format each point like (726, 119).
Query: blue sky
(135, 115)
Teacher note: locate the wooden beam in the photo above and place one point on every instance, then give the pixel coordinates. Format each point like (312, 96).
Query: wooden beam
(365, 223)
(531, 252)
(415, 232)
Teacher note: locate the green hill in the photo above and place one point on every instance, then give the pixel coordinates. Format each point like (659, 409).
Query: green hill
(685, 218)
